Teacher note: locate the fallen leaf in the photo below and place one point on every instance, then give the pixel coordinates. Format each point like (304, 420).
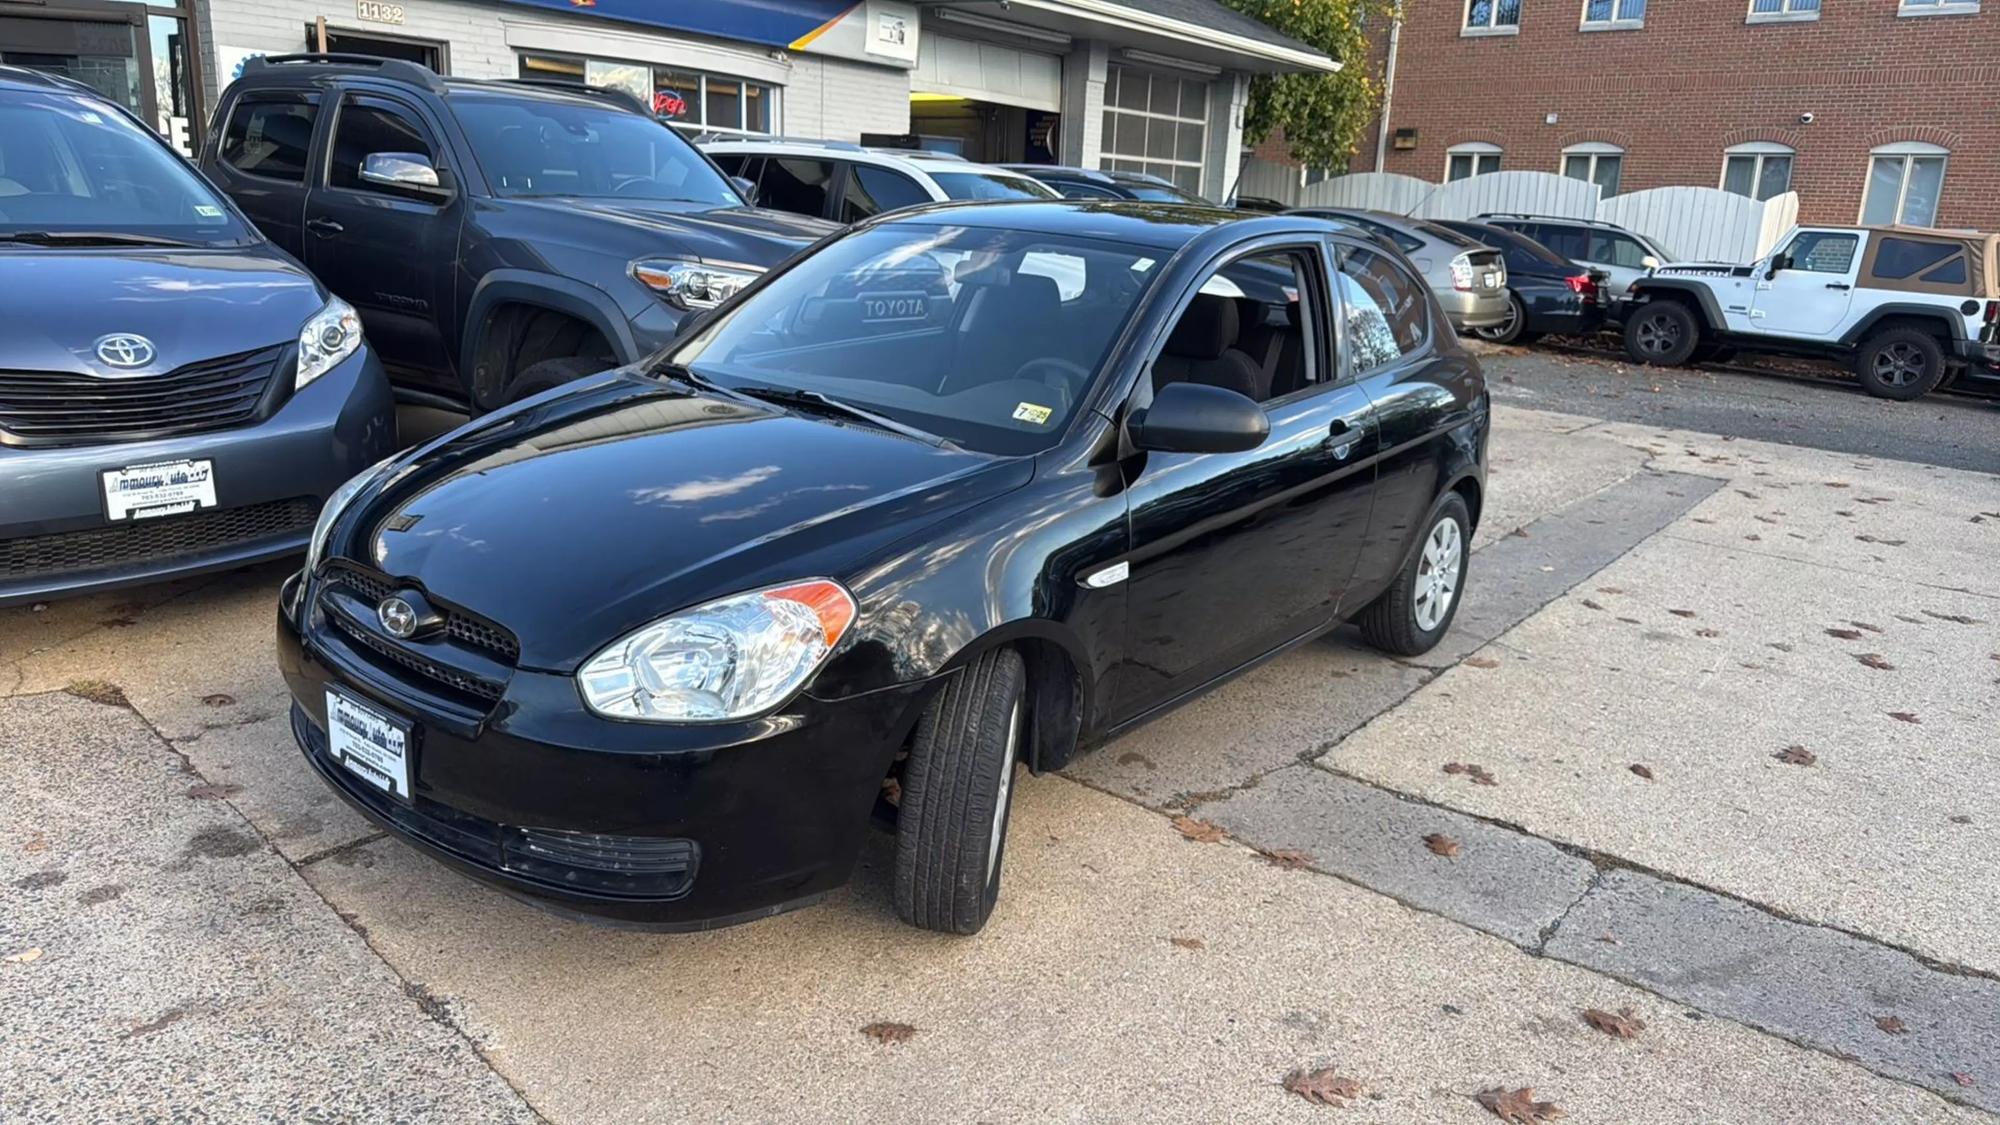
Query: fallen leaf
(212, 791)
(1796, 756)
(1642, 771)
(25, 956)
(1905, 716)
(1188, 943)
(1845, 634)
(1875, 660)
(1619, 1025)
(1519, 1107)
(1681, 612)
(892, 792)
(1611, 589)
(1708, 632)
(1518, 533)
(1962, 1078)
(1323, 1086)
(1442, 844)
(1891, 1024)
(1482, 662)
(218, 700)
(1954, 618)
(36, 844)
(1867, 626)
(1478, 774)
(1200, 831)
(1838, 484)
(1630, 620)
(1881, 542)
(889, 1032)
(1588, 604)
(1288, 858)
(99, 691)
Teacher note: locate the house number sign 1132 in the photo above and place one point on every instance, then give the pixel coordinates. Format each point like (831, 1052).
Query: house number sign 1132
(374, 11)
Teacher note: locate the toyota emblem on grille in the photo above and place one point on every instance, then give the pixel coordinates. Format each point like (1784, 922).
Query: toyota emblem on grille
(398, 617)
(125, 351)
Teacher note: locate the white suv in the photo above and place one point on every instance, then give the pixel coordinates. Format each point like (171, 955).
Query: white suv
(847, 183)
(1908, 307)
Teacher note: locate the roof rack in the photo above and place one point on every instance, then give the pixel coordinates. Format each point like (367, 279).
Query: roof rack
(816, 142)
(400, 69)
(1545, 218)
(604, 93)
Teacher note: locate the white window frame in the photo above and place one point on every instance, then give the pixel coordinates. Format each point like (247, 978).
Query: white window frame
(1787, 12)
(1592, 150)
(1759, 151)
(1106, 156)
(1937, 8)
(772, 90)
(1615, 21)
(1908, 151)
(1490, 27)
(1474, 149)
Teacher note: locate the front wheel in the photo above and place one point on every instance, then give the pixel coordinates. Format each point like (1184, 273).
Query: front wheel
(1901, 364)
(958, 786)
(1662, 332)
(1414, 614)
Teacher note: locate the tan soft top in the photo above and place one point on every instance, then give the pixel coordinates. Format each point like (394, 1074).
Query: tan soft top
(1982, 262)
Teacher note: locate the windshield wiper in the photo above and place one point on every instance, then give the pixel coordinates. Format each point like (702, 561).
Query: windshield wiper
(798, 397)
(90, 238)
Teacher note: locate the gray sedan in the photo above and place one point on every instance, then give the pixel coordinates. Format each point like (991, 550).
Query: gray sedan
(1469, 278)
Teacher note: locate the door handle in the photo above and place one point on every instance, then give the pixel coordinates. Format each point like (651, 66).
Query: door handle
(1342, 437)
(324, 227)
(1838, 285)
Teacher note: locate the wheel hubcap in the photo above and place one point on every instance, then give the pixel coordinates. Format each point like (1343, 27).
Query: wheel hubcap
(1900, 364)
(1505, 328)
(1437, 573)
(1658, 335)
(1000, 795)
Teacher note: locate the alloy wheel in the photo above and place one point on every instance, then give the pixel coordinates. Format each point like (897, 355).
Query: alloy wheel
(1437, 573)
(1658, 335)
(1900, 364)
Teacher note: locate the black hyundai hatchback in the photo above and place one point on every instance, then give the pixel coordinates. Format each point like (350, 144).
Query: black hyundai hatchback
(965, 489)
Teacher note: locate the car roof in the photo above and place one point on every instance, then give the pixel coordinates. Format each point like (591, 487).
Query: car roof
(931, 163)
(1572, 220)
(22, 78)
(1162, 225)
(308, 70)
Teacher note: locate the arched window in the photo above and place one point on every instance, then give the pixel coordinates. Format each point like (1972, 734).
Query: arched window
(1600, 163)
(1904, 183)
(1760, 169)
(1473, 158)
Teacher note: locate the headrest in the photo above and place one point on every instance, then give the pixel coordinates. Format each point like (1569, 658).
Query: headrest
(1206, 329)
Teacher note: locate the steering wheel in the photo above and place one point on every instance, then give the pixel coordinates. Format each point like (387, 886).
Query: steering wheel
(637, 181)
(1056, 373)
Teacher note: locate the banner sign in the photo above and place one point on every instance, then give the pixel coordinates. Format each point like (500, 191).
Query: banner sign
(775, 23)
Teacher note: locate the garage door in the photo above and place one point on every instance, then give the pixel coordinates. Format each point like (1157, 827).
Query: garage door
(987, 72)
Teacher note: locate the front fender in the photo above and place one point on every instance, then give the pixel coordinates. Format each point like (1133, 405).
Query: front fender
(565, 295)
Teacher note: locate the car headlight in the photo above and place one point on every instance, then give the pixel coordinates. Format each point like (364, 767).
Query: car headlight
(329, 337)
(728, 659)
(340, 499)
(693, 285)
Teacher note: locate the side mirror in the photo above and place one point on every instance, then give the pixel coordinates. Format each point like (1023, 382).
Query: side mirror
(1779, 262)
(745, 188)
(408, 170)
(1649, 263)
(1194, 418)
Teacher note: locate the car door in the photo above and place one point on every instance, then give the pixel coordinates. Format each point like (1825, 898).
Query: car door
(1808, 286)
(870, 190)
(261, 158)
(388, 249)
(1422, 391)
(1234, 554)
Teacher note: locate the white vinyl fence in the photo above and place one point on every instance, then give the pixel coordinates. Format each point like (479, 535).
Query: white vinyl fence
(1697, 223)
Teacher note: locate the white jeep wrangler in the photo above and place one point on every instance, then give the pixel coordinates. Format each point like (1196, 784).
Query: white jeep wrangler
(1907, 307)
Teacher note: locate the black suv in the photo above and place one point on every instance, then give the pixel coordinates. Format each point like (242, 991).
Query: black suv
(498, 237)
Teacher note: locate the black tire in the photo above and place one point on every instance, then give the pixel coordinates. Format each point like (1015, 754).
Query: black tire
(1394, 622)
(947, 874)
(539, 377)
(1662, 332)
(1513, 330)
(1900, 364)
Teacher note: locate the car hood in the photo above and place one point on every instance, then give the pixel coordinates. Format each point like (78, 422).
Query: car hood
(578, 517)
(748, 235)
(191, 304)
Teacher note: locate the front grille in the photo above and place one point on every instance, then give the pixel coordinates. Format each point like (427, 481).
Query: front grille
(154, 540)
(60, 408)
(461, 626)
(457, 681)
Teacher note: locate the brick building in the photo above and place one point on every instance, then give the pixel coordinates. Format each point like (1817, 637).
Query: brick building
(1903, 96)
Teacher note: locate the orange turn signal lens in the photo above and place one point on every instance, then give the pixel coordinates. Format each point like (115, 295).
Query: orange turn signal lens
(829, 601)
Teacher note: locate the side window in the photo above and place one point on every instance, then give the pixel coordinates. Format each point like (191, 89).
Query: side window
(1248, 329)
(1387, 314)
(269, 138)
(1898, 258)
(1566, 241)
(871, 190)
(367, 127)
(1408, 244)
(1823, 251)
(731, 163)
(1617, 249)
(1951, 273)
(794, 184)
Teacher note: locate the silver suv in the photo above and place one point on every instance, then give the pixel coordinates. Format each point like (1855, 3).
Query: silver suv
(1469, 278)
(1626, 255)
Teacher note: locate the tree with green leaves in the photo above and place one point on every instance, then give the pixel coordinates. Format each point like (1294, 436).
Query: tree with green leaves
(1322, 115)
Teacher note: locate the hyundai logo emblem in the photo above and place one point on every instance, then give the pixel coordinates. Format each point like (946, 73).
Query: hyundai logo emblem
(125, 351)
(398, 617)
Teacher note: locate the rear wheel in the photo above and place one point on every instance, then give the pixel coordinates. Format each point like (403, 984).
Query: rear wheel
(958, 786)
(1513, 330)
(1901, 363)
(1662, 332)
(1414, 614)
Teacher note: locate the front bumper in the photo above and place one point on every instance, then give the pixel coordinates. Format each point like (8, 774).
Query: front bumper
(270, 478)
(1469, 309)
(673, 827)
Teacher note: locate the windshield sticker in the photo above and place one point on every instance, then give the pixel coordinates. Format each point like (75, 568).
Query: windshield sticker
(1031, 412)
(208, 210)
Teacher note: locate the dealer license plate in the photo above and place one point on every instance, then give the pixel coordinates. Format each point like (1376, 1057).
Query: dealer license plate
(1492, 279)
(164, 488)
(372, 746)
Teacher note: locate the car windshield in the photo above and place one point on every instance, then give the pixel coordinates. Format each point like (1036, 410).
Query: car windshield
(1445, 234)
(987, 338)
(76, 172)
(1161, 193)
(532, 147)
(987, 185)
